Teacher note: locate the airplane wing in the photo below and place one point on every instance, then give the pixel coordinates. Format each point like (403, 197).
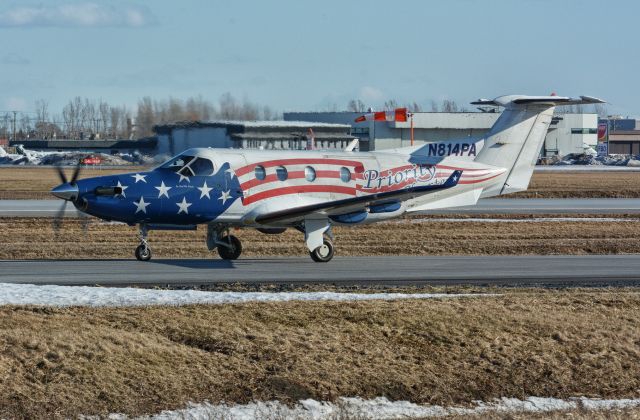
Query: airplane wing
(349, 205)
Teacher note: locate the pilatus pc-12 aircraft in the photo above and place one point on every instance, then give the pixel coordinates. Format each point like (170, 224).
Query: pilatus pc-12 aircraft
(314, 190)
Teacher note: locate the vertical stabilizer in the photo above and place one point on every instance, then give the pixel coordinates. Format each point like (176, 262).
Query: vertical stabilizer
(515, 140)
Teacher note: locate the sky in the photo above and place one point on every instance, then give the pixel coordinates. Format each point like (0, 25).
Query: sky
(301, 55)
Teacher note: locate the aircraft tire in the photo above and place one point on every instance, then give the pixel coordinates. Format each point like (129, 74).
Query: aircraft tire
(230, 253)
(323, 253)
(143, 253)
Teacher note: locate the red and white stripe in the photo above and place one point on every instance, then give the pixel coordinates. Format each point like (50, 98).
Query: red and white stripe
(469, 176)
(328, 183)
(327, 180)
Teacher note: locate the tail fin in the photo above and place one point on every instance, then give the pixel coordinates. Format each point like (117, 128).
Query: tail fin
(515, 139)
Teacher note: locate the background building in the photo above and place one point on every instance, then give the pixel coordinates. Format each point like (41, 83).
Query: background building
(622, 135)
(174, 138)
(568, 133)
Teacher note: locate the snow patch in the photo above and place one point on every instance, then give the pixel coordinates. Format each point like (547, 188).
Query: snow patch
(380, 408)
(49, 295)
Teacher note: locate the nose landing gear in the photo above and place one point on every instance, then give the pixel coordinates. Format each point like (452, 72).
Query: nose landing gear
(229, 247)
(143, 251)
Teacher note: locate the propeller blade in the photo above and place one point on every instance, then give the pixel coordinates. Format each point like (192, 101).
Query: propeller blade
(61, 174)
(76, 173)
(57, 220)
(84, 222)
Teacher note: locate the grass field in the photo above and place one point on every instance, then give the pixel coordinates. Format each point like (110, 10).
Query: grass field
(34, 238)
(70, 361)
(35, 183)
(19, 183)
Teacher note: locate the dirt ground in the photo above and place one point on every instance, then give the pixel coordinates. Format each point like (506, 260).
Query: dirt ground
(70, 361)
(34, 238)
(35, 183)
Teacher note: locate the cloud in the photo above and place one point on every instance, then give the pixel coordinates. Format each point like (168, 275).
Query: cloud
(13, 58)
(78, 14)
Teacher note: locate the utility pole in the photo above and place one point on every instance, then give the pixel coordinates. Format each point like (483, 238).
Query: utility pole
(14, 125)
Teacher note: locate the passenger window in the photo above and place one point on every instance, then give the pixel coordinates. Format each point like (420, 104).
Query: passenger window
(202, 167)
(345, 174)
(281, 173)
(260, 173)
(310, 173)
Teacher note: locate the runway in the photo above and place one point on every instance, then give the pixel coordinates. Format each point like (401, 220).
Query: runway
(49, 208)
(550, 271)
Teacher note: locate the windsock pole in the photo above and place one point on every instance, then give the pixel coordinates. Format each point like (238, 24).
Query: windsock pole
(411, 117)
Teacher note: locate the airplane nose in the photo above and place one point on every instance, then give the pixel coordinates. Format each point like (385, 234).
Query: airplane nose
(66, 191)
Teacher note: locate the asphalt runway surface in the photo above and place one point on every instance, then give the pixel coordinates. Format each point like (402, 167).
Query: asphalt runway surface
(546, 271)
(49, 208)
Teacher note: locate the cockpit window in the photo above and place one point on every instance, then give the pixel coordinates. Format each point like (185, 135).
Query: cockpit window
(189, 165)
(177, 162)
(201, 167)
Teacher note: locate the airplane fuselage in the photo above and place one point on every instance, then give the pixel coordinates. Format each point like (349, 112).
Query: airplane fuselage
(234, 185)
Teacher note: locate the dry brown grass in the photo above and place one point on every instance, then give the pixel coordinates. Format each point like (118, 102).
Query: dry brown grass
(582, 185)
(35, 183)
(34, 238)
(63, 362)
(20, 182)
(577, 414)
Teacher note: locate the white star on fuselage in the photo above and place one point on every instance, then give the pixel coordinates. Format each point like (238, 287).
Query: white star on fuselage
(224, 196)
(141, 206)
(183, 177)
(184, 206)
(163, 190)
(204, 190)
(122, 187)
(139, 177)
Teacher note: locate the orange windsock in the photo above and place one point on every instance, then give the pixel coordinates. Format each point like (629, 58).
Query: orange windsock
(398, 114)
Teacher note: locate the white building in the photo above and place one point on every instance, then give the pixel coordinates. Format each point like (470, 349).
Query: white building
(571, 133)
(568, 133)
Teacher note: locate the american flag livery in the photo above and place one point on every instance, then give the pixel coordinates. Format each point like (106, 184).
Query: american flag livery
(361, 180)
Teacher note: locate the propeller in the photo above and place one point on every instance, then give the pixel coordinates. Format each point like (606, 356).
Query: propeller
(68, 191)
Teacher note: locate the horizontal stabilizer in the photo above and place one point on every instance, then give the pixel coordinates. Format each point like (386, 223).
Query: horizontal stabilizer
(551, 100)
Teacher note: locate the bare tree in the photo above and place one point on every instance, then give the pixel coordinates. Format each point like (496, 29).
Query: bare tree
(103, 115)
(356, 105)
(42, 115)
(449, 105)
(24, 126)
(601, 110)
(390, 105)
(434, 106)
(145, 117)
(414, 107)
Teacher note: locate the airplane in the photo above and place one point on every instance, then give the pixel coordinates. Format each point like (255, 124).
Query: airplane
(313, 190)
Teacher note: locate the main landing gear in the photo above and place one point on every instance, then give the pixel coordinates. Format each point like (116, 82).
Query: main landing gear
(323, 253)
(218, 237)
(320, 247)
(143, 251)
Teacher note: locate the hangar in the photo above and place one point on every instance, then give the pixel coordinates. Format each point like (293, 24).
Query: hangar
(174, 138)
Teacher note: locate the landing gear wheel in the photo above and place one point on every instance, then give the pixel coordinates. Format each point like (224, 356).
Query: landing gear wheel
(323, 253)
(143, 253)
(231, 252)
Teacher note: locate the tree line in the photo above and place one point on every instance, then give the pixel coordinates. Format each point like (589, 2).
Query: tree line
(85, 118)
